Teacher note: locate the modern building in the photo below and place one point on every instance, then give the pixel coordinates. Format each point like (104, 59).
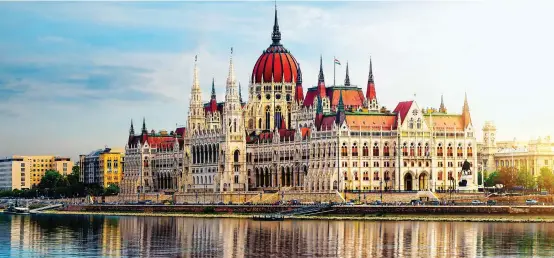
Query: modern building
(528, 155)
(22, 172)
(332, 138)
(102, 167)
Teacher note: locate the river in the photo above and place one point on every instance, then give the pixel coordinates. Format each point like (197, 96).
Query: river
(128, 236)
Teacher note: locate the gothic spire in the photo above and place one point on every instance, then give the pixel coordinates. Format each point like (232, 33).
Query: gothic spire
(321, 78)
(465, 113)
(276, 35)
(370, 77)
(231, 76)
(132, 130)
(213, 89)
(144, 125)
(340, 116)
(195, 83)
(442, 108)
(340, 106)
(347, 77)
(240, 94)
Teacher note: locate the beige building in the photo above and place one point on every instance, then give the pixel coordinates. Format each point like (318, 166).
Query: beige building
(531, 155)
(15, 173)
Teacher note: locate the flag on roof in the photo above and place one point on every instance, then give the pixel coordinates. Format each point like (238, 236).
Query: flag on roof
(337, 61)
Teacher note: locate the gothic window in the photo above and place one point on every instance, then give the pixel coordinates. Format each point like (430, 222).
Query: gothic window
(449, 150)
(459, 150)
(344, 150)
(354, 150)
(375, 150)
(394, 148)
(366, 176)
(440, 175)
(411, 123)
(267, 118)
(251, 124)
(375, 175)
(356, 176)
(419, 149)
(419, 123)
(412, 149)
(278, 117)
(345, 176)
(469, 151)
(427, 149)
(260, 123)
(235, 125)
(405, 149)
(387, 176)
(439, 150)
(365, 150)
(386, 151)
(236, 156)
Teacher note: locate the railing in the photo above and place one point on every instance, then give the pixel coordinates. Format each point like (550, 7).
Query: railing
(379, 191)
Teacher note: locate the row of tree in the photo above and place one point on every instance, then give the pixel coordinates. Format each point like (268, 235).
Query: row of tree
(512, 177)
(55, 185)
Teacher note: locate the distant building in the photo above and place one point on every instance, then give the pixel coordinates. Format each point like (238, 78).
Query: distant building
(530, 155)
(102, 167)
(22, 172)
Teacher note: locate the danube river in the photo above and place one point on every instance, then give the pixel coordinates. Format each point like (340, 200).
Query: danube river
(128, 236)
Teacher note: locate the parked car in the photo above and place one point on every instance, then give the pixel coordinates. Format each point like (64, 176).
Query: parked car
(349, 203)
(491, 202)
(476, 202)
(416, 202)
(531, 202)
(433, 203)
(376, 202)
(220, 203)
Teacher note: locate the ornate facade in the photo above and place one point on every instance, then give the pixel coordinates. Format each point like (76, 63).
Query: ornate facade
(332, 138)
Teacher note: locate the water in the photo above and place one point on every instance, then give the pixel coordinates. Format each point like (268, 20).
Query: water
(113, 236)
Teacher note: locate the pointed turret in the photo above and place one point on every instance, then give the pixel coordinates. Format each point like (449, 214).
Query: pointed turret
(213, 89)
(321, 80)
(370, 91)
(442, 108)
(276, 34)
(465, 113)
(299, 94)
(240, 94)
(340, 116)
(132, 130)
(347, 77)
(195, 82)
(196, 119)
(144, 126)
(319, 113)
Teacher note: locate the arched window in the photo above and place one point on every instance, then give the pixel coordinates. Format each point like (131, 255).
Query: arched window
(236, 156)
(427, 149)
(260, 123)
(387, 176)
(375, 175)
(345, 176)
(418, 123)
(366, 176)
(440, 175)
(235, 125)
(251, 124)
(267, 118)
(344, 150)
(419, 149)
(469, 150)
(365, 150)
(375, 150)
(278, 117)
(459, 150)
(412, 149)
(394, 148)
(449, 150)
(356, 176)
(411, 123)
(440, 150)
(405, 149)
(386, 151)
(354, 150)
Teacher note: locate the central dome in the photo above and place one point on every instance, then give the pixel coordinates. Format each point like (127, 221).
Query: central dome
(276, 62)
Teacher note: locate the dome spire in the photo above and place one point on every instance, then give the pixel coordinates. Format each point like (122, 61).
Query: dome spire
(347, 77)
(276, 35)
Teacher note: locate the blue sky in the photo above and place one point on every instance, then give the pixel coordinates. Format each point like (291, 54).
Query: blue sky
(73, 75)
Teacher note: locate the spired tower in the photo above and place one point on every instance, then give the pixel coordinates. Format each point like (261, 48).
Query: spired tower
(196, 119)
(489, 146)
(273, 87)
(234, 148)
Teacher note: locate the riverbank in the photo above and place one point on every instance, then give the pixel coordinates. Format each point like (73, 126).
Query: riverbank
(367, 217)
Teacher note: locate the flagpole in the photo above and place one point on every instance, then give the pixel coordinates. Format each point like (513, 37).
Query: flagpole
(334, 69)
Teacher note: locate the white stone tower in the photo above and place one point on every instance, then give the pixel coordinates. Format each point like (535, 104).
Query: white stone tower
(489, 146)
(196, 119)
(234, 148)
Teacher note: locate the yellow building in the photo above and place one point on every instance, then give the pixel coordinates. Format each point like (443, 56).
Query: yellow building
(103, 167)
(22, 172)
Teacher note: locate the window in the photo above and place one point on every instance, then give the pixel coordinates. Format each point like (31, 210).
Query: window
(375, 150)
(419, 123)
(411, 123)
(460, 152)
(386, 152)
(412, 149)
(427, 153)
(419, 149)
(366, 176)
(449, 150)
(376, 164)
(267, 118)
(354, 150)
(365, 150)
(440, 164)
(344, 150)
(469, 151)
(387, 176)
(405, 149)
(356, 176)
(439, 150)
(345, 176)
(375, 175)
(440, 175)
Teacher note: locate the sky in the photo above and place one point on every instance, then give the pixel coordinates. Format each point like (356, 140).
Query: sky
(74, 74)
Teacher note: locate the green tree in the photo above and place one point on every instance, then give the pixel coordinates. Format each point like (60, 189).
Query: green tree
(480, 178)
(526, 179)
(52, 179)
(508, 177)
(545, 180)
(492, 179)
(112, 189)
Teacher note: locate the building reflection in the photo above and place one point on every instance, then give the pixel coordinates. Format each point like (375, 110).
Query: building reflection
(111, 236)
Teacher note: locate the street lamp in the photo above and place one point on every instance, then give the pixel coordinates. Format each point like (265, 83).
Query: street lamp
(381, 187)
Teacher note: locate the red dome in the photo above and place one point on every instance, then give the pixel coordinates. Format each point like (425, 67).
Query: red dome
(276, 62)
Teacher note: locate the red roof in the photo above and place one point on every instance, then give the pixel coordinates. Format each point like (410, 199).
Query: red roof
(402, 108)
(351, 96)
(181, 131)
(371, 122)
(286, 134)
(371, 94)
(275, 63)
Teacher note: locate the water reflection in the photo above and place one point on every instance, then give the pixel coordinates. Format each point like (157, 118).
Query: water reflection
(110, 236)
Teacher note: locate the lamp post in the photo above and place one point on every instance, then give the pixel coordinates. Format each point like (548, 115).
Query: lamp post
(381, 187)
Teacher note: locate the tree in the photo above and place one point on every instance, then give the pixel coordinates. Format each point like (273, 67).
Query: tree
(492, 179)
(52, 179)
(508, 177)
(545, 179)
(526, 179)
(112, 189)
